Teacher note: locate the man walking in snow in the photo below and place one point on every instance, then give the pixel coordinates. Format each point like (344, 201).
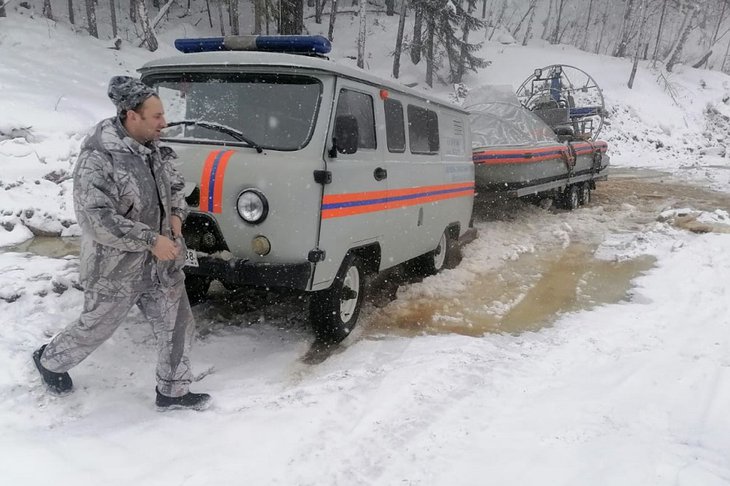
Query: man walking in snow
(130, 205)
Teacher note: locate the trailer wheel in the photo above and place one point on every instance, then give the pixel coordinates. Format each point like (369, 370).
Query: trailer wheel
(334, 311)
(196, 287)
(585, 194)
(571, 197)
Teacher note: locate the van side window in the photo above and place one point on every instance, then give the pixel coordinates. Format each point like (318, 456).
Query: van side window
(394, 126)
(360, 106)
(423, 130)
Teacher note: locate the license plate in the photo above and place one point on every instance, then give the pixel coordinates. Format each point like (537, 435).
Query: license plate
(191, 258)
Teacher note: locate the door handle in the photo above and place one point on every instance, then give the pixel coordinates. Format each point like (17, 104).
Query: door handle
(380, 174)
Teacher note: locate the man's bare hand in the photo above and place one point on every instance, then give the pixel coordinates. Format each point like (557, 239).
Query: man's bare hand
(165, 249)
(176, 224)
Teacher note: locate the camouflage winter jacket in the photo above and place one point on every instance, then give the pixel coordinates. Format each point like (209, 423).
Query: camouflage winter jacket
(124, 194)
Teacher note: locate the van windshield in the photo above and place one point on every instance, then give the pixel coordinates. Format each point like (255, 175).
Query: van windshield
(275, 111)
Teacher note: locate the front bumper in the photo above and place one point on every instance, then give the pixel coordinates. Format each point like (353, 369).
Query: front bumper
(244, 272)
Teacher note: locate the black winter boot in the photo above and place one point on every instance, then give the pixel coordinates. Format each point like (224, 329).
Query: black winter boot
(56, 382)
(193, 401)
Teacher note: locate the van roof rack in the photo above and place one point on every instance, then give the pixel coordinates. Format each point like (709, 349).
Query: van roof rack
(311, 45)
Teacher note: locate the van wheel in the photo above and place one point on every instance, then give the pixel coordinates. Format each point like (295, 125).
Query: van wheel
(571, 197)
(333, 312)
(585, 194)
(439, 258)
(196, 287)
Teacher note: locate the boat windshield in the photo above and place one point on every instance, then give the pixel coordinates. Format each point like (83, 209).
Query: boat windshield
(272, 111)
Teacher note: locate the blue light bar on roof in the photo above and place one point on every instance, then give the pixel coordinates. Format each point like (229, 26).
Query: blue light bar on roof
(297, 44)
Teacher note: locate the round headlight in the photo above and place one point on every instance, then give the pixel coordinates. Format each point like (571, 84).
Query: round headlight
(252, 206)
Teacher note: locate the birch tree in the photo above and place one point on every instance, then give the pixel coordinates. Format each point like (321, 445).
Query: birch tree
(149, 34)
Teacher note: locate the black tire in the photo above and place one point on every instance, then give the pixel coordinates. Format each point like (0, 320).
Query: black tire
(571, 197)
(334, 312)
(439, 258)
(585, 194)
(196, 287)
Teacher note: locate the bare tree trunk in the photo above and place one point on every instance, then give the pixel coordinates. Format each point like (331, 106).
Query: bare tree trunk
(417, 42)
(233, 12)
(2, 9)
(464, 39)
(47, 11)
(361, 35)
(291, 17)
(604, 21)
(528, 32)
(333, 15)
(389, 8)
(556, 31)
(588, 24)
(71, 11)
(220, 17)
(717, 30)
(318, 11)
(399, 39)
(639, 43)
(133, 11)
(430, 34)
(529, 10)
(625, 32)
(258, 14)
(91, 18)
(149, 34)
(546, 24)
(676, 51)
(113, 12)
(210, 17)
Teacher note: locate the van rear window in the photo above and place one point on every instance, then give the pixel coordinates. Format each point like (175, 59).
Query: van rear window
(276, 111)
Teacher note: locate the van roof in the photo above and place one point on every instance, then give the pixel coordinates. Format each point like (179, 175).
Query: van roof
(225, 60)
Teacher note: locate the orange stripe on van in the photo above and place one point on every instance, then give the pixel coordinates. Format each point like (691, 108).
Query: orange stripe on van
(339, 205)
(218, 186)
(205, 180)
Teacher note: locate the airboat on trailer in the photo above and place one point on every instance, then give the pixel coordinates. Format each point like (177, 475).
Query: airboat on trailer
(543, 140)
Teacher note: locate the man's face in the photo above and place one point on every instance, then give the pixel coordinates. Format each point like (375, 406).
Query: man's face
(146, 124)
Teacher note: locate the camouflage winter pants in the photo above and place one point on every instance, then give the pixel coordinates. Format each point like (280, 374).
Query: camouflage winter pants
(172, 321)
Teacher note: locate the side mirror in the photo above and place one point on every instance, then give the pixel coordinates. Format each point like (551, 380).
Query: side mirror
(347, 134)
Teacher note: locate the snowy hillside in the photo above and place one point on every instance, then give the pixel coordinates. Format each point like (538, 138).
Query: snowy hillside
(618, 382)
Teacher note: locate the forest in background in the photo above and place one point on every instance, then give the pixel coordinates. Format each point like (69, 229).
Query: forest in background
(446, 35)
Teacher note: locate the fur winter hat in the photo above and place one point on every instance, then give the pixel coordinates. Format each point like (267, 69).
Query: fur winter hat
(128, 93)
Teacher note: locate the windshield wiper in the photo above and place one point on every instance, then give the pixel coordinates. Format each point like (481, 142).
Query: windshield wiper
(238, 135)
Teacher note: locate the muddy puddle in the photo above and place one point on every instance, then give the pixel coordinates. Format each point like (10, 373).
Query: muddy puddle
(525, 295)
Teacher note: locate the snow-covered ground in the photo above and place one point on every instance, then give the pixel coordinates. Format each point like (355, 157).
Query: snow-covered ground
(634, 392)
